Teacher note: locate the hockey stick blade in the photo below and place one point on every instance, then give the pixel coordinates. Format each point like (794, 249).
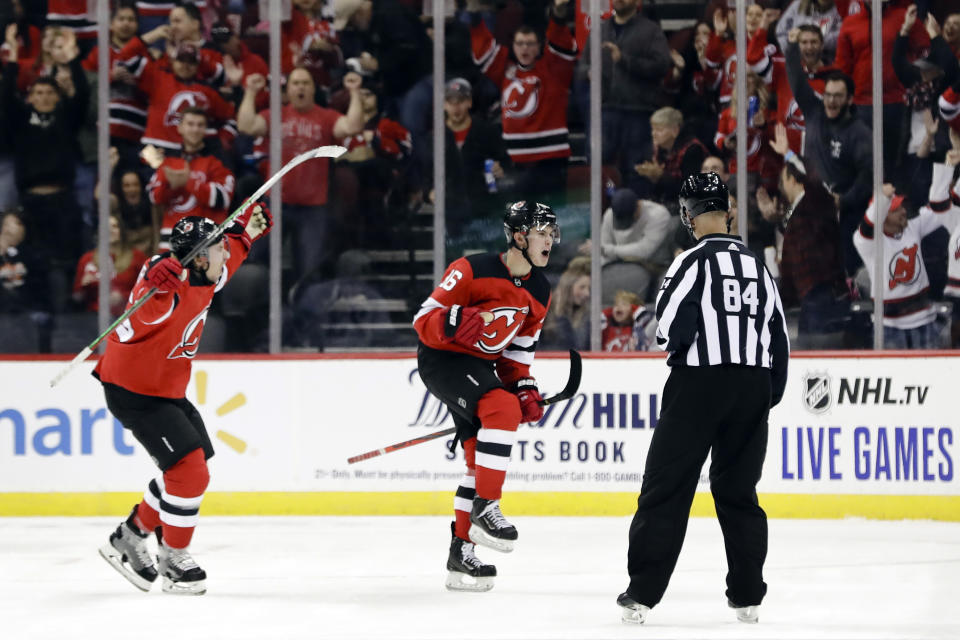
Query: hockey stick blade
(568, 391)
(573, 382)
(328, 151)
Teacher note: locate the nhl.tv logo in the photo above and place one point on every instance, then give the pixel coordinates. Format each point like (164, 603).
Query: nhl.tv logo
(816, 392)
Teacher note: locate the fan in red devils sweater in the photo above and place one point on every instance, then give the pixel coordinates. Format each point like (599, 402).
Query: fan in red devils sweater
(534, 93)
(191, 181)
(145, 372)
(478, 332)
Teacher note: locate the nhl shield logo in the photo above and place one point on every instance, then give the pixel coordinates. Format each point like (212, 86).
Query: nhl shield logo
(816, 392)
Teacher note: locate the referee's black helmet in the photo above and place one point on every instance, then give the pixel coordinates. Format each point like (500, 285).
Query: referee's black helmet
(701, 193)
(524, 215)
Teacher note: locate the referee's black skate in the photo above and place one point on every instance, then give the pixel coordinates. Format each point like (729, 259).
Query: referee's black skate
(489, 528)
(126, 551)
(465, 571)
(181, 574)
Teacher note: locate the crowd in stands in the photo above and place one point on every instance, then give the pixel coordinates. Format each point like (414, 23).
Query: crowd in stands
(190, 131)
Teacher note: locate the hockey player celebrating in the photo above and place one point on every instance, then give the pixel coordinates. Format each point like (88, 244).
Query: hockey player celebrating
(145, 372)
(478, 332)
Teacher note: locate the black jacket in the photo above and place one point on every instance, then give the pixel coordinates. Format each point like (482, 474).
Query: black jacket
(840, 151)
(45, 145)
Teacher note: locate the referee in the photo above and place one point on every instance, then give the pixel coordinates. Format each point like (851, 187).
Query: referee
(721, 321)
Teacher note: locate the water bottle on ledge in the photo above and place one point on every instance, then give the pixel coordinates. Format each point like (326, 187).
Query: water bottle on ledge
(488, 176)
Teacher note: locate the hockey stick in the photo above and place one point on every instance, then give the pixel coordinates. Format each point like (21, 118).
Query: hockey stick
(573, 383)
(330, 151)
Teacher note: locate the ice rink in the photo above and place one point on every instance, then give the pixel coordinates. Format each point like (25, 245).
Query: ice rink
(382, 577)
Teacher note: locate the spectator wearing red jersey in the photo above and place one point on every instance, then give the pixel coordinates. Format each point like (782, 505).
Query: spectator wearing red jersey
(28, 35)
(820, 14)
(191, 181)
(170, 92)
(636, 58)
(186, 26)
(854, 58)
(125, 264)
(304, 126)
(535, 91)
(310, 41)
(627, 325)
(721, 51)
(810, 41)
(239, 63)
(128, 104)
(72, 14)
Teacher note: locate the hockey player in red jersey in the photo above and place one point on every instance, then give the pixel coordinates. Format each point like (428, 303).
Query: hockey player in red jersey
(478, 332)
(145, 372)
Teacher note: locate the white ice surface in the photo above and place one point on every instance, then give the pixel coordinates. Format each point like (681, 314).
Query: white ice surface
(382, 577)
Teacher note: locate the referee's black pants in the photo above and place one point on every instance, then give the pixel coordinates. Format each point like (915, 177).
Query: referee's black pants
(723, 410)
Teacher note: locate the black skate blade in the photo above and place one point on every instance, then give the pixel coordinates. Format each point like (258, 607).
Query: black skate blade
(481, 537)
(196, 588)
(115, 559)
(458, 581)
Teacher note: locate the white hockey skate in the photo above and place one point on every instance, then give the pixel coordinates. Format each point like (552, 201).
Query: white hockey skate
(127, 552)
(631, 611)
(489, 528)
(748, 615)
(465, 571)
(181, 574)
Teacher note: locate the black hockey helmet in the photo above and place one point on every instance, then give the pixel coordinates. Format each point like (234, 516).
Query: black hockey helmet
(523, 216)
(191, 231)
(701, 193)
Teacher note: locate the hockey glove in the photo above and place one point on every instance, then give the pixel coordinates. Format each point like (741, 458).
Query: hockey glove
(463, 325)
(254, 221)
(164, 274)
(531, 406)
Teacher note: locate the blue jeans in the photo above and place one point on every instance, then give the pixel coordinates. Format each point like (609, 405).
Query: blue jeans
(923, 337)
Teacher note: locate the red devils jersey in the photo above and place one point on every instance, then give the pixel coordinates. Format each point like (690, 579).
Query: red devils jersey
(169, 96)
(518, 305)
(207, 193)
(128, 105)
(533, 100)
(151, 351)
(72, 14)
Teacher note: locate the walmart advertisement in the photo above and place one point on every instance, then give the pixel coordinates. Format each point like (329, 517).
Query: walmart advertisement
(880, 426)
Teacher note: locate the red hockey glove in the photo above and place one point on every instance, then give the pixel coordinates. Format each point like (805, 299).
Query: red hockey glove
(255, 221)
(463, 325)
(530, 400)
(164, 274)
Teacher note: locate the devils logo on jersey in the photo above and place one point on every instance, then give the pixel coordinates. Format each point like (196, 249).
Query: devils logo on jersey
(500, 331)
(903, 266)
(521, 97)
(182, 100)
(190, 342)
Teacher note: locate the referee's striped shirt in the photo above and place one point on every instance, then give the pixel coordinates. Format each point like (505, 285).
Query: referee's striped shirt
(719, 305)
